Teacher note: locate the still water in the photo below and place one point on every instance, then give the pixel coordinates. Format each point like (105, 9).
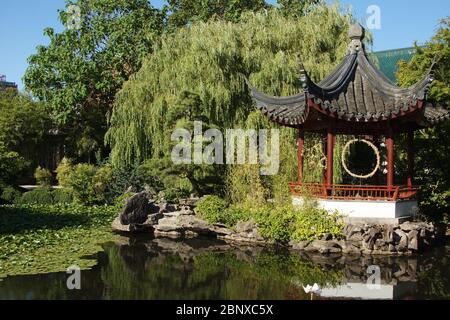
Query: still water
(140, 268)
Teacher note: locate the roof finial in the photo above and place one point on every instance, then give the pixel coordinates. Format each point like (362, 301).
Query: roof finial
(356, 33)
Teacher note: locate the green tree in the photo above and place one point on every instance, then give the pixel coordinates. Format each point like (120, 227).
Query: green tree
(185, 12)
(432, 145)
(207, 80)
(23, 122)
(297, 7)
(80, 71)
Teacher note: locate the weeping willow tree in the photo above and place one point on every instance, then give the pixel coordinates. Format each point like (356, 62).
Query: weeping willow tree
(198, 73)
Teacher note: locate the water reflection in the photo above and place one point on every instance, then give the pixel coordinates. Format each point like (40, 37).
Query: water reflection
(140, 268)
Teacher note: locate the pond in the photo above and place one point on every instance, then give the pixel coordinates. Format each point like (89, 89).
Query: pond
(142, 268)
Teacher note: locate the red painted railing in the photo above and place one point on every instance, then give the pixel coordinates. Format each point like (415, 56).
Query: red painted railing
(350, 192)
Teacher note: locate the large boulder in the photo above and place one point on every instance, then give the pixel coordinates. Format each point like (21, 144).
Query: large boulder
(117, 226)
(182, 224)
(137, 209)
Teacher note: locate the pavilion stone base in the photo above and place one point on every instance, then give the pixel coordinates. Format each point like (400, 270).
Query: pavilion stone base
(378, 212)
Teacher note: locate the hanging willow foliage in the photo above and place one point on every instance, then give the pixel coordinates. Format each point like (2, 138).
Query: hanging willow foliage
(199, 71)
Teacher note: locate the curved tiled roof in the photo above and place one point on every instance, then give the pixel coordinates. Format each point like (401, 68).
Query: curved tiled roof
(435, 114)
(355, 91)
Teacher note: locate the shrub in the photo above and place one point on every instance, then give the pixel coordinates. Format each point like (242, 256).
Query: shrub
(274, 223)
(312, 222)
(80, 180)
(62, 196)
(11, 165)
(233, 215)
(44, 177)
(63, 172)
(10, 194)
(101, 184)
(213, 209)
(37, 196)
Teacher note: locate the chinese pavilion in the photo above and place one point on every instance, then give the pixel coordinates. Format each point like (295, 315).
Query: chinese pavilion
(356, 99)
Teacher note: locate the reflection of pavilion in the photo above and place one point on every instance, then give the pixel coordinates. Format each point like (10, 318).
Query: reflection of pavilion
(356, 99)
(359, 290)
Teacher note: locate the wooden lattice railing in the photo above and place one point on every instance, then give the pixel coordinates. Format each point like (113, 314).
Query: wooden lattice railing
(350, 192)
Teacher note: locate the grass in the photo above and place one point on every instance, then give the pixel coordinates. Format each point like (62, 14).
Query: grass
(43, 239)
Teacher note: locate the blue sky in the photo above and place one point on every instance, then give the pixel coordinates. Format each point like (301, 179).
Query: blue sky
(22, 23)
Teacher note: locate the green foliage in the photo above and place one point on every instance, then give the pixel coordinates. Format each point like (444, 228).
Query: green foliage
(432, 145)
(101, 182)
(11, 166)
(80, 181)
(213, 209)
(274, 223)
(310, 222)
(245, 185)
(297, 7)
(285, 223)
(44, 177)
(79, 72)
(63, 172)
(45, 196)
(186, 12)
(43, 239)
(259, 46)
(42, 196)
(10, 195)
(23, 122)
(62, 196)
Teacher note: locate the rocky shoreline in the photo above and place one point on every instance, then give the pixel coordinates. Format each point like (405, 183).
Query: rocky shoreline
(142, 215)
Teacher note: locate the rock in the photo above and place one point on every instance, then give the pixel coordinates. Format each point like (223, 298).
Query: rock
(153, 219)
(403, 242)
(141, 228)
(354, 233)
(168, 234)
(388, 234)
(246, 226)
(137, 208)
(117, 226)
(372, 235)
(351, 247)
(131, 228)
(221, 230)
(299, 245)
(184, 223)
(413, 240)
(327, 237)
(355, 237)
(190, 202)
(184, 211)
(408, 226)
(381, 245)
(167, 207)
(325, 247)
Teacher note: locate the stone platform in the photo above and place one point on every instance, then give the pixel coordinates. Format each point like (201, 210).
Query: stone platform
(369, 211)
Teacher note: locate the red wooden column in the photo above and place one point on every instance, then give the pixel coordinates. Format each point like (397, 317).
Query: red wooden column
(390, 157)
(300, 145)
(410, 151)
(330, 152)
